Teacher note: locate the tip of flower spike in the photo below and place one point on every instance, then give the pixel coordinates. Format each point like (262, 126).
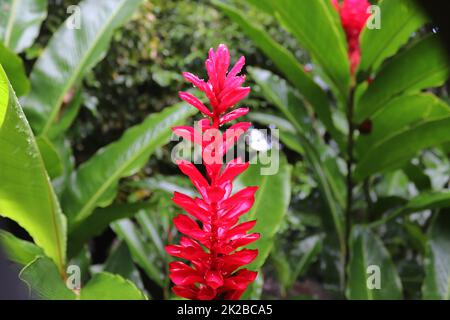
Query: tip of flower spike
(222, 47)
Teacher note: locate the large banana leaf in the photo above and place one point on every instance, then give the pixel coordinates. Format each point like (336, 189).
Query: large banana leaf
(70, 54)
(95, 182)
(20, 21)
(26, 194)
(399, 19)
(437, 280)
(367, 251)
(423, 65)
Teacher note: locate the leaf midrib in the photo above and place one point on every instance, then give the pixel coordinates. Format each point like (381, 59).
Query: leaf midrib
(10, 24)
(368, 155)
(411, 126)
(406, 130)
(50, 196)
(257, 202)
(417, 80)
(77, 71)
(80, 215)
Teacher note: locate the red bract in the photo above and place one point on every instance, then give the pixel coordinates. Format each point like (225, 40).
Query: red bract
(213, 235)
(353, 15)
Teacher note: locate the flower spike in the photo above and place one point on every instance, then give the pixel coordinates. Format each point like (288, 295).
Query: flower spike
(353, 15)
(213, 238)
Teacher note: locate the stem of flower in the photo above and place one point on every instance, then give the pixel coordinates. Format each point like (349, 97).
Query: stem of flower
(349, 180)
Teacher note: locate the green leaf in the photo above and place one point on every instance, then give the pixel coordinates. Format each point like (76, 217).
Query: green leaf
(70, 54)
(20, 21)
(397, 149)
(42, 277)
(310, 248)
(100, 219)
(26, 194)
(315, 152)
(367, 250)
(95, 181)
(271, 203)
(423, 65)
(168, 184)
(19, 251)
(262, 5)
(417, 175)
(399, 19)
(14, 68)
(398, 115)
(437, 263)
(284, 98)
(268, 119)
(289, 266)
(427, 200)
(67, 117)
(288, 64)
(107, 286)
(52, 160)
(140, 251)
(279, 260)
(121, 263)
(149, 228)
(316, 25)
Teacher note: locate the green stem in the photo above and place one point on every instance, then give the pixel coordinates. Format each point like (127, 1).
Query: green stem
(349, 181)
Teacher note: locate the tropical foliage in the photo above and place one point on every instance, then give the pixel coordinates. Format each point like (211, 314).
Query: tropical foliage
(85, 126)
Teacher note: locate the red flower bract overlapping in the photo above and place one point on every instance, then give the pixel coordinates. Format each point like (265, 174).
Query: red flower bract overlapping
(353, 15)
(213, 238)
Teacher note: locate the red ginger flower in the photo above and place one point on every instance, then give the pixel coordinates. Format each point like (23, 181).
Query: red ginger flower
(353, 18)
(212, 247)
